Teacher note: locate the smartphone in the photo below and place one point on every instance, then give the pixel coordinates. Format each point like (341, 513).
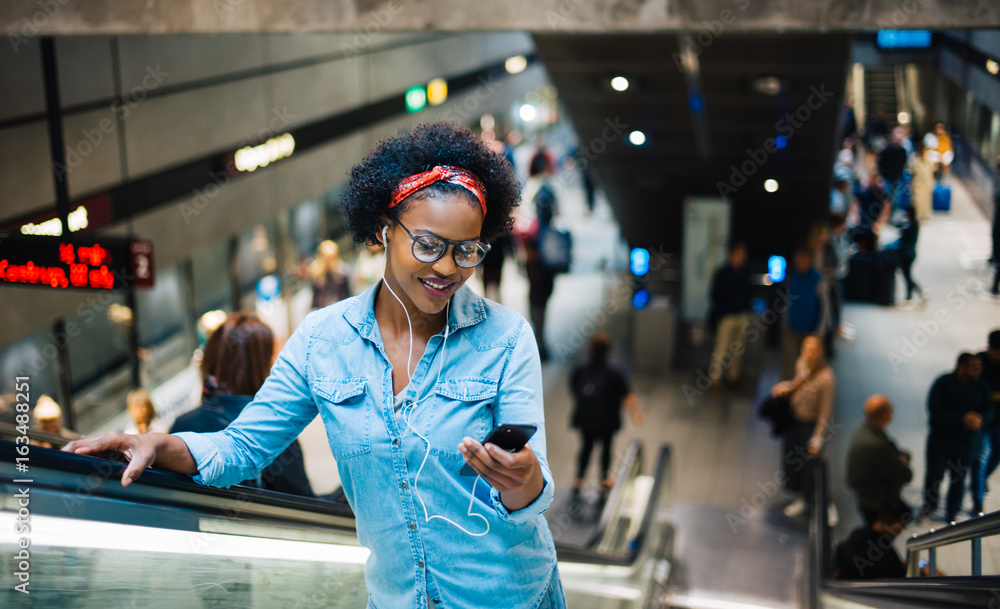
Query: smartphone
(511, 438)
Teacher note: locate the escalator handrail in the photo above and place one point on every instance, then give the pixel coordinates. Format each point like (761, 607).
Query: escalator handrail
(12, 431)
(956, 592)
(86, 465)
(633, 452)
(256, 502)
(576, 554)
(984, 526)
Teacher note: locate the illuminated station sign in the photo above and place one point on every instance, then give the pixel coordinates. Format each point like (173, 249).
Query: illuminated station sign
(55, 262)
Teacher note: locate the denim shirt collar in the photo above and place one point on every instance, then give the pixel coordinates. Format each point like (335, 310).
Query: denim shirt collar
(467, 309)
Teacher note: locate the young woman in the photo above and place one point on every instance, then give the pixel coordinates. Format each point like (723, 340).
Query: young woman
(810, 395)
(408, 377)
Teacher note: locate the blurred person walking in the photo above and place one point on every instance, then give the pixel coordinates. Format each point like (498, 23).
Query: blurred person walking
(807, 308)
(492, 267)
(921, 182)
(876, 469)
(987, 453)
(891, 163)
(599, 392)
(728, 316)
(326, 273)
(836, 257)
(236, 361)
(532, 220)
(905, 250)
(810, 396)
(959, 405)
(995, 289)
(940, 150)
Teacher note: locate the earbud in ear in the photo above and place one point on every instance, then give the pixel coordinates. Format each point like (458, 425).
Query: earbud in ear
(384, 230)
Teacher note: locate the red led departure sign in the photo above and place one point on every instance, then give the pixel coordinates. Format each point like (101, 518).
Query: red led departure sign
(97, 264)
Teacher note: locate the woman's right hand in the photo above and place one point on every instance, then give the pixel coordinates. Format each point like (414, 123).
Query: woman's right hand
(140, 450)
(780, 389)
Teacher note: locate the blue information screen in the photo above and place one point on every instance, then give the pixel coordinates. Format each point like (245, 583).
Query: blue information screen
(904, 39)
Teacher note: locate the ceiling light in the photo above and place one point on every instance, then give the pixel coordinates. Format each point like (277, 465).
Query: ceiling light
(903, 118)
(767, 85)
(527, 112)
(770, 185)
(515, 64)
(637, 138)
(992, 67)
(619, 83)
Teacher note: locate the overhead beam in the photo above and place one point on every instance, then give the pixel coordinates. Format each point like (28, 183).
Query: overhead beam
(21, 19)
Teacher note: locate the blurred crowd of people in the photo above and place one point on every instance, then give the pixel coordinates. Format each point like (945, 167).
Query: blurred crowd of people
(963, 442)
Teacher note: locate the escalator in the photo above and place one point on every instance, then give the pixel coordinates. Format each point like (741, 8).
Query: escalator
(976, 591)
(168, 542)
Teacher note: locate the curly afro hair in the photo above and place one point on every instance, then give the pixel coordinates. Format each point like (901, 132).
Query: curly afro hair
(372, 181)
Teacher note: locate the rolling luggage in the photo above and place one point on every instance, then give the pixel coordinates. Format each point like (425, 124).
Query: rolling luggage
(860, 277)
(941, 201)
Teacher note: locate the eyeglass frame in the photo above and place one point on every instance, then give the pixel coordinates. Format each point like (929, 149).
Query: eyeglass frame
(448, 243)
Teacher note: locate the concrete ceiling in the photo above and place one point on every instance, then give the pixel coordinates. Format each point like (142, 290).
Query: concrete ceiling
(695, 153)
(41, 17)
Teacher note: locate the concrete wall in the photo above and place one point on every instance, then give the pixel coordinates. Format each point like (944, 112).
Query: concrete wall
(212, 93)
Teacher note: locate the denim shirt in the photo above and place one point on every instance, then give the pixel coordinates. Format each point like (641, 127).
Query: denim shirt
(335, 365)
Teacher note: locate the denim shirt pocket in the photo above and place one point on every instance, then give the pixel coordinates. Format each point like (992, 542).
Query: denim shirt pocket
(462, 407)
(347, 414)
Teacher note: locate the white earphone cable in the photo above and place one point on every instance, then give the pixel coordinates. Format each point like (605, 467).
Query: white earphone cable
(411, 406)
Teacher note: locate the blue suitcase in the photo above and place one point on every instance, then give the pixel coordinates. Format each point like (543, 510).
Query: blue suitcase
(941, 201)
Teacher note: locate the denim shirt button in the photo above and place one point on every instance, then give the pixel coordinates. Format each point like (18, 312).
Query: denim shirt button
(396, 441)
(412, 526)
(420, 564)
(402, 485)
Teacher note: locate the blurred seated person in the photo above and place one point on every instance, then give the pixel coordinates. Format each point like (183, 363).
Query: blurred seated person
(868, 552)
(874, 206)
(139, 405)
(237, 359)
(48, 417)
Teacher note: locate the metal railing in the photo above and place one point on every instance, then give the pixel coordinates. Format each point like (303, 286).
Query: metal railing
(953, 592)
(973, 531)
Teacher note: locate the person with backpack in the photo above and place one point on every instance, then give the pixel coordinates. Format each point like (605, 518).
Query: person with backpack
(599, 392)
(533, 222)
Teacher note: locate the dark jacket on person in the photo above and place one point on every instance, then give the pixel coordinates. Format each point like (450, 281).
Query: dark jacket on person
(286, 474)
(867, 554)
(908, 239)
(892, 162)
(598, 390)
(948, 402)
(991, 376)
(730, 293)
(807, 308)
(875, 471)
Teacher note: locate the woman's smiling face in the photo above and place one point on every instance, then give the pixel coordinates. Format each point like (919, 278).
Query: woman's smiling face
(427, 286)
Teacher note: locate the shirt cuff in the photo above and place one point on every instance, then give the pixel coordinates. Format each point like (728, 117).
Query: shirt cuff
(206, 456)
(529, 512)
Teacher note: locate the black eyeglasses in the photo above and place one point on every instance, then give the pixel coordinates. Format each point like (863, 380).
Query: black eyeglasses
(430, 247)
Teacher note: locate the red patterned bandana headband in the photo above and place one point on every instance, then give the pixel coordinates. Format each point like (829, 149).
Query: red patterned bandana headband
(440, 173)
